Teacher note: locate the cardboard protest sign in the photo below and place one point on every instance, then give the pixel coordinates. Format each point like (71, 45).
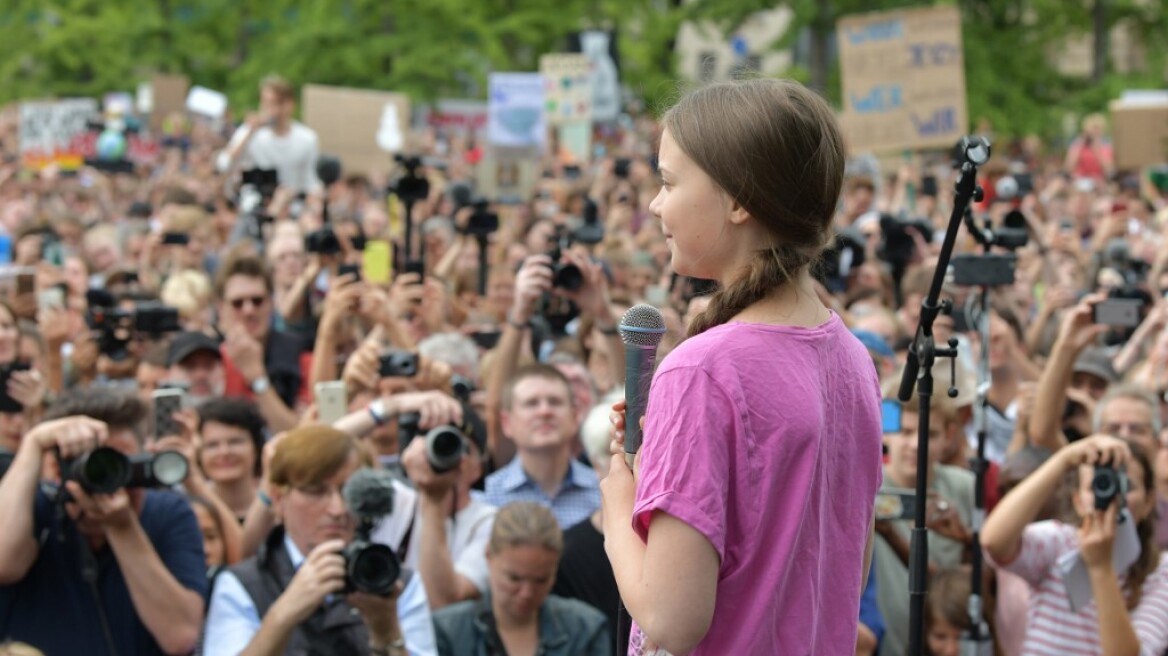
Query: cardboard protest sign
(56, 132)
(903, 79)
(506, 176)
(515, 110)
(1139, 134)
(168, 94)
(360, 126)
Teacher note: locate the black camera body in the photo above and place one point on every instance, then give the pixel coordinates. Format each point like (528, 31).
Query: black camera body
(264, 181)
(1109, 485)
(322, 242)
(483, 221)
(412, 187)
(104, 470)
(398, 364)
(565, 276)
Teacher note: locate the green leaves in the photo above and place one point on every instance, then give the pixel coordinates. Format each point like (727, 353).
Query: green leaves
(435, 48)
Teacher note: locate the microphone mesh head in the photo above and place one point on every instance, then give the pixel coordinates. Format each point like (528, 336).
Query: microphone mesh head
(369, 493)
(642, 325)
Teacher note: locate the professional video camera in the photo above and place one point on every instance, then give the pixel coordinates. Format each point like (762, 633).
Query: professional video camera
(257, 186)
(104, 470)
(116, 326)
(483, 221)
(369, 567)
(411, 187)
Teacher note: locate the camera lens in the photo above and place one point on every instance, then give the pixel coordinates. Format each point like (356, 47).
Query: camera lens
(444, 448)
(101, 471)
(1105, 486)
(170, 468)
(371, 568)
(567, 276)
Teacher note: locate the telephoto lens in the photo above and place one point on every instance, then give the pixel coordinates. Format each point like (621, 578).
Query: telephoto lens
(1108, 484)
(370, 567)
(445, 446)
(162, 469)
(100, 471)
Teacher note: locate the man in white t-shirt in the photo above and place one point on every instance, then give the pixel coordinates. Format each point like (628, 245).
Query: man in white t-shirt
(270, 139)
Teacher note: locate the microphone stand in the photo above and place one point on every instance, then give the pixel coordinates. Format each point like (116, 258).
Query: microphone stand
(918, 371)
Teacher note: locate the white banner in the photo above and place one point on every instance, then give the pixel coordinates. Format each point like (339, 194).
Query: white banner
(515, 110)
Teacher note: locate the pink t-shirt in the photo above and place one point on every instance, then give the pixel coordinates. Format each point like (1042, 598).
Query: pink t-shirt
(766, 440)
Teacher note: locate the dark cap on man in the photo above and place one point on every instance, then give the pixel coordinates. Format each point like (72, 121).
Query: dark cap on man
(188, 343)
(1096, 362)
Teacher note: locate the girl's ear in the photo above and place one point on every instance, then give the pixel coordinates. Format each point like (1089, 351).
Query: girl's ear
(738, 213)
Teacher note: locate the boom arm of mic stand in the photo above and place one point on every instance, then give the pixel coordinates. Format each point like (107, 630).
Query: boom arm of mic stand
(922, 355)
(930, 307)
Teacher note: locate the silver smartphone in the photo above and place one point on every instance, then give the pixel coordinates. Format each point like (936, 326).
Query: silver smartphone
(166, 403)
(331, 401)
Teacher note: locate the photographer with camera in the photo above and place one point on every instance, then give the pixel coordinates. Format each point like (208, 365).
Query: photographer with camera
(121, 569)
(303, 591)
(271, 139)
(572, 277)
(446, 530)
(1123, 611)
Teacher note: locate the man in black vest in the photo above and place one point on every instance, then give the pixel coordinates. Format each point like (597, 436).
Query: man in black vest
(289, 598)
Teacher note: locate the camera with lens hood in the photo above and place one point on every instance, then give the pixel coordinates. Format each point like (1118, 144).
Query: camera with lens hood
(1109, 484)
(369, 567)
(105, 471)
(445, 445)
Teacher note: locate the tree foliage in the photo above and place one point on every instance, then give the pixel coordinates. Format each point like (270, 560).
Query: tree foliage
(436, 48)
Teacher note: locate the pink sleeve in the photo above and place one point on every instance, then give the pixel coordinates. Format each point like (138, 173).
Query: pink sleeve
(692, 430)
(1042, 544)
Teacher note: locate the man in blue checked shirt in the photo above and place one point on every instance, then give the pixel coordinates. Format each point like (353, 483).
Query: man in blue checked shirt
(538, 414)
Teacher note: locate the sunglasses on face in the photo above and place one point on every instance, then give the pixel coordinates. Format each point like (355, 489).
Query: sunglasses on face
(257, 301)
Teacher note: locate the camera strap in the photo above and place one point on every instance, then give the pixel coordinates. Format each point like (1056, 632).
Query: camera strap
(89, 574)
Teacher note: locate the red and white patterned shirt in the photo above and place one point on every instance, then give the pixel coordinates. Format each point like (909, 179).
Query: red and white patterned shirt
(1053, 628)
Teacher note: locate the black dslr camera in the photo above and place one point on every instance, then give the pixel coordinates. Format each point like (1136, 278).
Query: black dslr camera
(445, 445)
(369, 567)
(104, 470)
(564, 275)
(322, 242)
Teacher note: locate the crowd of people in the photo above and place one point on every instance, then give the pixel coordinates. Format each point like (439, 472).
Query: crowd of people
(184, 279)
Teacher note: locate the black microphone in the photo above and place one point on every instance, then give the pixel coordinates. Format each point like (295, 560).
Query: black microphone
(641, 329)
(369, 494)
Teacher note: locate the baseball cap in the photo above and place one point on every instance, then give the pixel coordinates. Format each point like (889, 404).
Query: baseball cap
(187, 343)
(1097, 362)
(874, 343)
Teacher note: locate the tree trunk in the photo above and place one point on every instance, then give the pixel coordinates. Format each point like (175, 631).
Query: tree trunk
(820, 56)
(1101, 44)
